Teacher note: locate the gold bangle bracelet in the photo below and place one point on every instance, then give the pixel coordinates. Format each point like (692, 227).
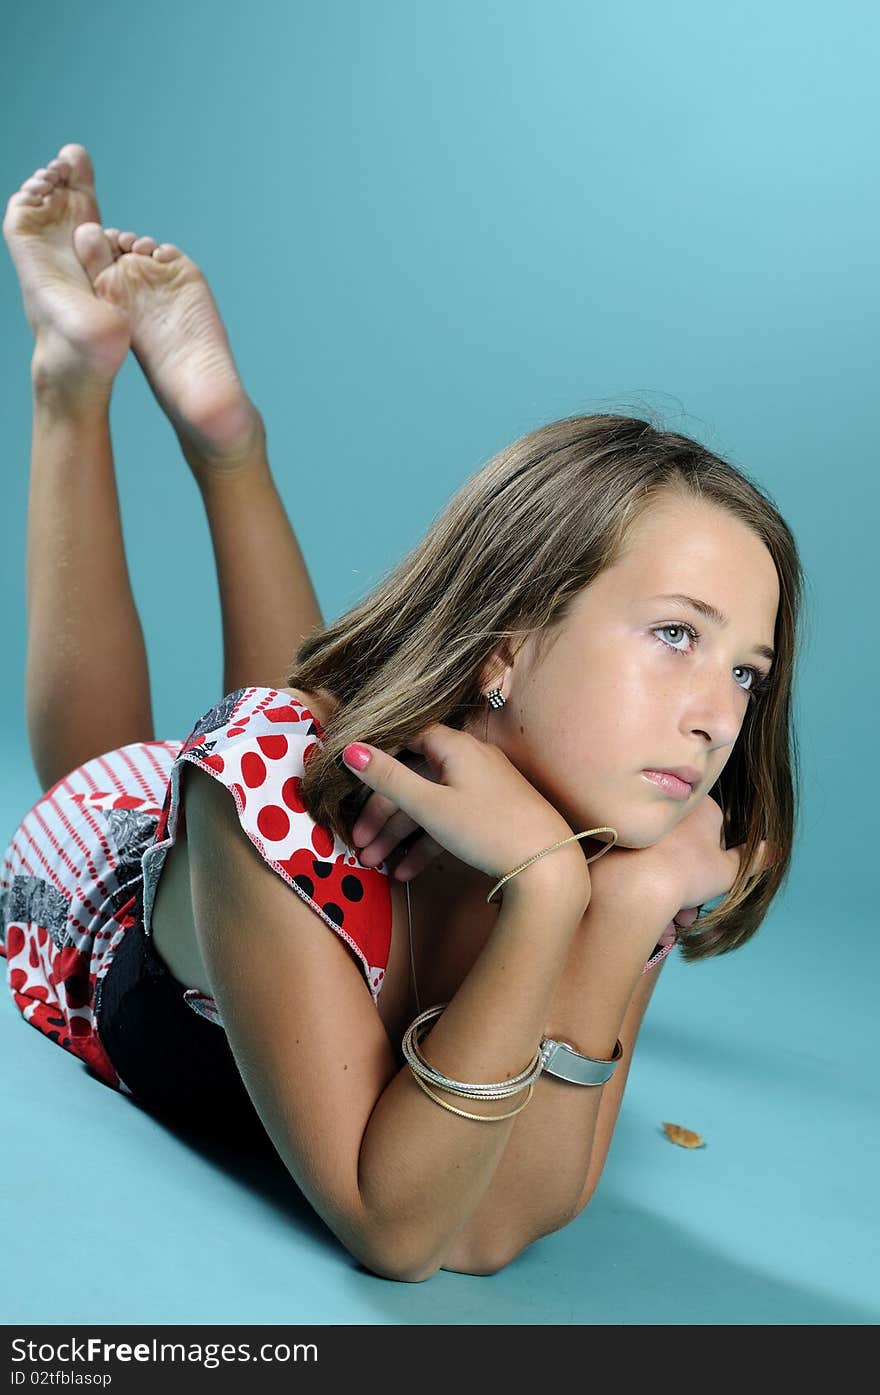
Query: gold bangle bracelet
(587, 833)
(481, 1118)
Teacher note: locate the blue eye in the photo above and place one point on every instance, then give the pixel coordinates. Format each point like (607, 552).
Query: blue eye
(760, 681)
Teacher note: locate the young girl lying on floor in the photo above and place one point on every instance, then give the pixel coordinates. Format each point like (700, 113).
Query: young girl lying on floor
(418, 872)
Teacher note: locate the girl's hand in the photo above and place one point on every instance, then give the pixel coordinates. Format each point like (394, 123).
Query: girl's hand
(476, 804)
(382, 825)
(684, 869)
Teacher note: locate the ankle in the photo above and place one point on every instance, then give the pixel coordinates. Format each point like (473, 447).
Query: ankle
(59, 394)
(222, 470)
(62, 388)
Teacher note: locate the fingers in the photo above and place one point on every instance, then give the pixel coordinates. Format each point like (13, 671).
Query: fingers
(381, 820)
(683, 919)
(372, 818)
(399, 805)
(763, 859)
(765, 856)
(381, 826)
(379, 808)
(423, 852)
(376, 848)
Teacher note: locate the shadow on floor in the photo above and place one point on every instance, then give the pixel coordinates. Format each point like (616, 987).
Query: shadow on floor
(617, 1264)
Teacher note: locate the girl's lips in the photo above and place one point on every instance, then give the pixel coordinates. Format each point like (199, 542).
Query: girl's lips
(678, 789)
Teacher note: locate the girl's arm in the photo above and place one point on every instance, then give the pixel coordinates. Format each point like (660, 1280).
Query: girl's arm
(393, 1175)
(612, 1093)
(267, 600)
(558, 1146)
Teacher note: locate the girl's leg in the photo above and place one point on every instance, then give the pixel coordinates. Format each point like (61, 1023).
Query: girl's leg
(87, 686)
(86, 299)
(267, 600)
(86, 683)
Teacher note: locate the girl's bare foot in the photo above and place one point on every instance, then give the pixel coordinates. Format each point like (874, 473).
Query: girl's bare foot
(89, 294)
(81, 340)
(179, 340)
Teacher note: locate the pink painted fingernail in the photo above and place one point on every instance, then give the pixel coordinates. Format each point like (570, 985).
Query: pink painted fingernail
(358, 757)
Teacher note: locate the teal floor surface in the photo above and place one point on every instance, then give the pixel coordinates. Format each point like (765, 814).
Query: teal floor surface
(770, 1054)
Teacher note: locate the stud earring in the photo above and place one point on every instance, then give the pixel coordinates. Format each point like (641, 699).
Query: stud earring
(495, 698)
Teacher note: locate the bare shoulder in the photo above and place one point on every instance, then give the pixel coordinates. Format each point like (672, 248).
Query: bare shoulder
(321, 704)
(297, 693)
(301, 1023)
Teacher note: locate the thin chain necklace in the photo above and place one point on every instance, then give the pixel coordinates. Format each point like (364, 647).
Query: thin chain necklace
(409, 907)
(412, 962)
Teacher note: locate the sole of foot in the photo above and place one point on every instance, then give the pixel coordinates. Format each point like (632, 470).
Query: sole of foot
(90, 293)
(80, 340)
(179, 340)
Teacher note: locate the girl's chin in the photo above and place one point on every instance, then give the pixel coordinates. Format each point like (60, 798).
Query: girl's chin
(635, 832)
(636, 827)
(636, 843)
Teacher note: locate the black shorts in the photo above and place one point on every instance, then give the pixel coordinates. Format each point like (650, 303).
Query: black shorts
(176, 1063)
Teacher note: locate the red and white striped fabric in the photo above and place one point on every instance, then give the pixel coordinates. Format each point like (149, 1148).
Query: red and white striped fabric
(67, 887)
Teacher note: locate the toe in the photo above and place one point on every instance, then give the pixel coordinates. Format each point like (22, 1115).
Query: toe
(145, 245)
(112, 235)
(60, 167)
(127, 240)
(93, 249)
(77, 157)
(166, 252)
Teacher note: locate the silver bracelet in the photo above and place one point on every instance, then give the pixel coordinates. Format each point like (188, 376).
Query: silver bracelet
(557, 1058)
(494, 1090)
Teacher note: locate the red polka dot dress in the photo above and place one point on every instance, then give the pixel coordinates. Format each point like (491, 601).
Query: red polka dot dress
(83, 866)
(90, 852)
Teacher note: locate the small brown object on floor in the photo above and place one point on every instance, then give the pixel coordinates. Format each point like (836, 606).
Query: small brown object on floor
(685, 1138)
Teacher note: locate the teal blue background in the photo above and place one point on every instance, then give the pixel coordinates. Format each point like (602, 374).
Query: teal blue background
(431, 228)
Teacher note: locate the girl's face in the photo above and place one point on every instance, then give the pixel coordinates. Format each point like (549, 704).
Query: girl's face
(625, 686)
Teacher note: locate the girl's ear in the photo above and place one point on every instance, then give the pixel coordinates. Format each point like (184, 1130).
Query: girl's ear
(492, 671)
(498, 662)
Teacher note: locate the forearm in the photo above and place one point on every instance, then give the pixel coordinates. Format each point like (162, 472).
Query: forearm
(605, 965)
(267, 600)
(422, 1169)
(542, 1179)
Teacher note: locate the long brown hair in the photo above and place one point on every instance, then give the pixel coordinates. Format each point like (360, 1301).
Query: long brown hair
(506, 557)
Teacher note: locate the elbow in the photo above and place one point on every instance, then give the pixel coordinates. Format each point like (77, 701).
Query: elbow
(417, 1274)
(458, 1258)
(403, 1269)
(389, 1258)
(403, 1258)
(403, 1274)
(406, 1265)
(402, 1254)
